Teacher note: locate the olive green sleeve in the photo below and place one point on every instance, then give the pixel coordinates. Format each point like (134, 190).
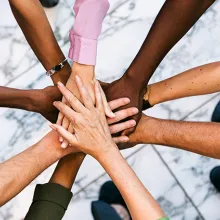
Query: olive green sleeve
(50, 202)
(164, 218)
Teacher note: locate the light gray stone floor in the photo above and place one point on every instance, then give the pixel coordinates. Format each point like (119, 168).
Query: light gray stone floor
(179, 180)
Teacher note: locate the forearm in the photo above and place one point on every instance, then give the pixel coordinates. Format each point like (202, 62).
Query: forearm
(36, 28)
(17, 172)
(139, 201)
(171, 24)
(15, 98)
(67, 169)
(200, 80)
(198, 137)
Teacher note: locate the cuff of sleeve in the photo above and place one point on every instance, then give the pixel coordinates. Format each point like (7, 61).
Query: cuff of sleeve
(53, 192)
(82, 50)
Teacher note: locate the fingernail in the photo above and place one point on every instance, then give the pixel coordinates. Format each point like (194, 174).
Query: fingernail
(126, 139)
(60, 139)
(63, 145)
(111, 115)
(127, 100)
(60, 84)
(77, 78)
(53, 127)
(54, 103)
(133, 122)
(136, 111)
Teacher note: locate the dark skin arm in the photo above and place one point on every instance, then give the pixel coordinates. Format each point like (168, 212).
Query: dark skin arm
(175, 18)
(29, 14)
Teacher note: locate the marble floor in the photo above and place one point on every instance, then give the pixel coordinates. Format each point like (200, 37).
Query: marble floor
(179, 180)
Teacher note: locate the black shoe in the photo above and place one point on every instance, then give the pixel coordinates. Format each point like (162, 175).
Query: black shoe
(49, 3)
(216, 113)
(215, 177)
(110, 194)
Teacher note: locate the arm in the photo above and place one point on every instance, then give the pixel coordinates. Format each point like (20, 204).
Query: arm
(93, 137)
(26, 166)
(171, 24)
(29, 14)
(200, 80)
(139, 201)
(51, 200)
(198, 137)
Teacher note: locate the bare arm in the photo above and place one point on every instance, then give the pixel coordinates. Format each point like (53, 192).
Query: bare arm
(36, 28)
(17, 172)
(173, 21)
(200, 80)
(198, 137)
(140, 203)
(93, 137)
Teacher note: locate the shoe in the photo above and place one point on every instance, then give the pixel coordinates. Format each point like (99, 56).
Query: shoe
(216, 113)
(49, 3)
(215, 177)
(110, 194)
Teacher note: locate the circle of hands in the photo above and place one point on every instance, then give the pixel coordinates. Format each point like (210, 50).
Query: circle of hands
(80, 116)
(91, 124)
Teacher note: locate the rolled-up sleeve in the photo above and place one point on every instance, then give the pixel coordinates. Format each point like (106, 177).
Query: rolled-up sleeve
(87, 28)
(50, 202)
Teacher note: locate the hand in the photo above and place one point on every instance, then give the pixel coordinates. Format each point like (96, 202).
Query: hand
(43, 102)
(145, 133)
(87, 75)
(124, 87)
(91, 132)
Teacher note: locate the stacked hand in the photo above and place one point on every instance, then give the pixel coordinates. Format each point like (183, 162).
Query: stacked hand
(87, 75)
(91, 133)
(125, 87)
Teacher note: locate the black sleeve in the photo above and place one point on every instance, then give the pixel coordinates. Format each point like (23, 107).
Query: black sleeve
(50, 202)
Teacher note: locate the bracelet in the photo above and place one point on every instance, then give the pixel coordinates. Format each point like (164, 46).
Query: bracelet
(146, 103)
(56, 68)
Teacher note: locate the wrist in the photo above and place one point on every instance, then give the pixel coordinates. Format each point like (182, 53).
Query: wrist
(108, 154)
(148, 131)
(138, 81)
(62, 75)
(82, 69)
(67, 169)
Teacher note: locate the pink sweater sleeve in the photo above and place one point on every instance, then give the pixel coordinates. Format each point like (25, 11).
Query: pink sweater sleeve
(87, 28)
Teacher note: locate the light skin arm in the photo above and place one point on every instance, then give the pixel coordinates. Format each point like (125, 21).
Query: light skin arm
(93, 137)
(26, 166)
(200, 80)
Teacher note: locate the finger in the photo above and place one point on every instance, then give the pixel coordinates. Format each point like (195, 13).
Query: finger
(65, 125)
(122, 114)
(64, 133)
(121, 139)
(86, 98)
(128, 131)
(71, 98)
(67, 111)
(114, 104)
(107, 108)
(98, 97)
(60, 119)
(65, 143)
(122, 126)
